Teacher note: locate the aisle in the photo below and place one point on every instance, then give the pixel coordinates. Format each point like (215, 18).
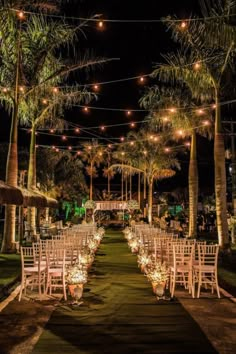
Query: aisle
(120, 315)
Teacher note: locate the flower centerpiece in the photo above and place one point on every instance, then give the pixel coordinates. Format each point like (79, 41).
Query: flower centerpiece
(132, 204)
(144, 260)
(76, 277)
(133, 244)
(90, 204)
(158, 276)
(86, 259)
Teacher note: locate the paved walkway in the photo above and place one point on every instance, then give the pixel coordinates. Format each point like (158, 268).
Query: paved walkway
(119, 315)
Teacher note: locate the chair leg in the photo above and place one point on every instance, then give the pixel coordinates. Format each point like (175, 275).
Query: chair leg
(199, 284)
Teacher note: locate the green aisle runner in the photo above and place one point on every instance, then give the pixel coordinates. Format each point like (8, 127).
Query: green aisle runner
(120, 315)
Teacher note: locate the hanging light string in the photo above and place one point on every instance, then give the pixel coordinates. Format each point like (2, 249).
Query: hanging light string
(139, 77)
(98, 17)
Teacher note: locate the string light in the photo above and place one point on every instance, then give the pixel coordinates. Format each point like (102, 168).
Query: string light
(100, 24)
(5, 89)
(141, 79)
(21, 15)
(132, 125)
(206, 122)
(78, 152)
(64, 137)
(95, 19)
(77, 130)
(55, 89)
(85, 109)
(102, 128)
(183, 24)
(51, 130)
(197, 66)
(128, 113)
(69, 147)
(187, 143)
(44, 101)
(21, 88)
(96, 87)
(122, 138)
(167, 149)
(180, 132)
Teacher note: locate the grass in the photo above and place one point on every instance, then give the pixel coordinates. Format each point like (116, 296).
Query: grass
(10, 268)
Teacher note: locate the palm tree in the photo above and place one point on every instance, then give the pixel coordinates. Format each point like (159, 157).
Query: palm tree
(93, 154)
(149, 158)
(45, 114)
(209, 47)
(25, 48)
(183, 119)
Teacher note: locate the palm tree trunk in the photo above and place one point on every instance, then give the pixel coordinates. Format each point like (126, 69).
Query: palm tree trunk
(31, 183)
(144, 195)
(139, 192)
(130, 184)
(193, 187)
(12, 164)
(220, 180)
(150, 188)
(91, 182)
(126, 187)
(11, 178)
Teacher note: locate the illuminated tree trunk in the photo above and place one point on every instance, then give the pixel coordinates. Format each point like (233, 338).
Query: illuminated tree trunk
(220, 181)
(12, 164)
(11, 178)
(130, 184)
(31, 183)
(139, 192)
(91, 182)
(150, 188)
(193, 187)
(145, 195)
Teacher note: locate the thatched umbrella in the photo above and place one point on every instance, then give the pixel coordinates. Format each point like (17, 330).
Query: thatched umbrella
(33, 199)
(10, 195)
(51, 202)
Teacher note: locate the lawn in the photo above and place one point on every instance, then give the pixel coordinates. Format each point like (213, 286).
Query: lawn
(10, 268)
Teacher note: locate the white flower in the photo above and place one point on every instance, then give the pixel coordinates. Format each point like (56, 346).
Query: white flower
(90, 204)
(132, 204)
(76, 274)
(158, 273)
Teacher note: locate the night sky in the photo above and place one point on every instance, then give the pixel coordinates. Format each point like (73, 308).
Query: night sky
(138, 46)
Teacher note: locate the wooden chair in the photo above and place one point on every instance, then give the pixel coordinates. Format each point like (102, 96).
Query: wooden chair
(181, 269)
(56, 271)
(205, 272)
(32, 271)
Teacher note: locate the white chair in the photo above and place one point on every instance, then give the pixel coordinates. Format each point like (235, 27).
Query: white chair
(32, 271)
(56, 271)
(205, 272)
(181, 269)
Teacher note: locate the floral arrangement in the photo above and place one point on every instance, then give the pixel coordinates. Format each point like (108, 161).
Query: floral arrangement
(132, 204)
(76, 274)
(93, 245)
(86, 259)
(144, 259)
(133, 244)
(101, 231)
(158, 273)
(90, 204)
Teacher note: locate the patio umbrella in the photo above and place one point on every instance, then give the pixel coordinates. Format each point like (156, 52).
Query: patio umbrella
(10, 195)
(51, 202)
(33, 198)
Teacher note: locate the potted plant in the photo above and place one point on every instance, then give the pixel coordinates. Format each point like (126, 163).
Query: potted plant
(76, 277)
(158, 276)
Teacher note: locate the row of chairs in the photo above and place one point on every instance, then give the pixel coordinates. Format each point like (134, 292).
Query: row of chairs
(44, 263)
(190, 262)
